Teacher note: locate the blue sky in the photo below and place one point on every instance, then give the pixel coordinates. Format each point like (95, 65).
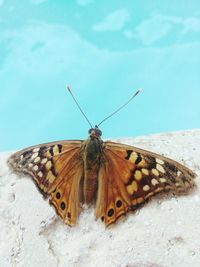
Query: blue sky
(105, 50)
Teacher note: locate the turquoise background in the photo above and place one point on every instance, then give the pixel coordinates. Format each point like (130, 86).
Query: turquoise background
(105, 50)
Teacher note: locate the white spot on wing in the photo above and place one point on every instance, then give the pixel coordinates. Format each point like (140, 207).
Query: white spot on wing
(35, 168)
(34, 155)
(37, 160)
(178, 173)
(43, 161)
(160, 168)
(30, 165)
(162, 180)
(159, 161)
(154, 181)
(36, 150)
(155, 172)
(40, 174)
(146, 187)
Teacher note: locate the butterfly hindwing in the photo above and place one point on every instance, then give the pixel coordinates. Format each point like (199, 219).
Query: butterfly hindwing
(135, 175)
(66, 195)
(113, 200)
(57, 169)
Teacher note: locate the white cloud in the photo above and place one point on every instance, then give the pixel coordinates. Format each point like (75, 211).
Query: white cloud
(113, 22)
(152, 30)
(157, 27)
(37, 2)
(84, 2)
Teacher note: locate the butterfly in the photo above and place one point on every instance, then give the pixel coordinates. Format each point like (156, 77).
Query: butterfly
(118, 178)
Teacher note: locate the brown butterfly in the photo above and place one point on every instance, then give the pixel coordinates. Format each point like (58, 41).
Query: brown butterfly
(117, 177)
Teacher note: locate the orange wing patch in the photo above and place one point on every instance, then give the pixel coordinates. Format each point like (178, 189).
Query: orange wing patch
(132, 176)
(113, 200)
(57, 169)
(65, 197)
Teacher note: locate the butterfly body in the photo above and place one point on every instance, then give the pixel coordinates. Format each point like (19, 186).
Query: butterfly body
(115, 177)
(92, 156)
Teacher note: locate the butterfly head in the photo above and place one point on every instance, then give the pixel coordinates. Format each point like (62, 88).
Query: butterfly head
(95, 132)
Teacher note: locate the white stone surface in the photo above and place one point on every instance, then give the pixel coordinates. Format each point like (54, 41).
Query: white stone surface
(165, 232)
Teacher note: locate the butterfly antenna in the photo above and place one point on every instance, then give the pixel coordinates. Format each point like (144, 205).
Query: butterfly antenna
(69, 89)
(126, 103)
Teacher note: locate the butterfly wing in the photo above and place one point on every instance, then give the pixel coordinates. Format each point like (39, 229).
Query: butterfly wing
(57, 169)
(129, 176)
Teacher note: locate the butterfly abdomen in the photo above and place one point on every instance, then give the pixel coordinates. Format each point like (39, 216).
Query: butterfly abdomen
(92, 156)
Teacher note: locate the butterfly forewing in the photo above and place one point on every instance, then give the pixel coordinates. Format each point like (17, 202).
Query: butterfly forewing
(135, 175)
(57, 169)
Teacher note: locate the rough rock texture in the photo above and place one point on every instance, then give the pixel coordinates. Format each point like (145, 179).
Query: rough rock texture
(165, 232)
